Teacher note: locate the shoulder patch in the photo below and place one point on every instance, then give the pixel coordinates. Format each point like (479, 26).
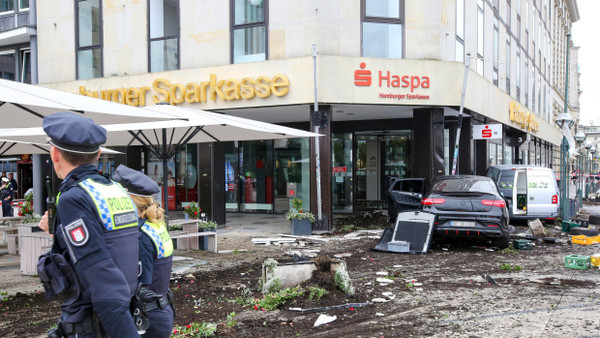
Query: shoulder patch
(77, 233)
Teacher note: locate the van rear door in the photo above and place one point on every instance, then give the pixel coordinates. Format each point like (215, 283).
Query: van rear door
(520, 192)
(542, 196)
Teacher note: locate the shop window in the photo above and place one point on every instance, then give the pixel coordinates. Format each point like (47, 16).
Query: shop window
(186, 175)
(249, 30)
(382, 28)
(89, 39)
(341, 171)
(163, 18)
(291, 166)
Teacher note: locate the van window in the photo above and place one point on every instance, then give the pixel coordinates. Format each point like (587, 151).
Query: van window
(539, 179)
(506, 180)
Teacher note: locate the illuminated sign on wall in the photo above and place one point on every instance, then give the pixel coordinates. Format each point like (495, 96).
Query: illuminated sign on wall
(522, 117)
(193, 92)
(363, 78)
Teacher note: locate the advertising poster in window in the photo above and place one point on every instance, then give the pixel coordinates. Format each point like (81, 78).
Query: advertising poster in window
(155, 171)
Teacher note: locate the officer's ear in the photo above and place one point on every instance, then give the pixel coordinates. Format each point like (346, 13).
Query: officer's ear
(98, 156)
(54, 154)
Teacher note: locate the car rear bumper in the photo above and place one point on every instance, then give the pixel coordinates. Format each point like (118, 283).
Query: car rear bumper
(483, 227)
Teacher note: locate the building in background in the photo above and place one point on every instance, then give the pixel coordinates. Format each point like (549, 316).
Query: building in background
(388, 88)
(18, 61)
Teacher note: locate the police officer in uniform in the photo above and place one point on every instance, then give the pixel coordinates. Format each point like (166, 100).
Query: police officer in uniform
(95, 226)
(156, 251)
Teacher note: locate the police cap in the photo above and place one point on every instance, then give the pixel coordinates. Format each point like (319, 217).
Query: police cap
(73, 132)
(135, 181)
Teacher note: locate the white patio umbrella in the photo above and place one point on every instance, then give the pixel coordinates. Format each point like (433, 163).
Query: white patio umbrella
(23, 105)
(12, 147)
(193, 126)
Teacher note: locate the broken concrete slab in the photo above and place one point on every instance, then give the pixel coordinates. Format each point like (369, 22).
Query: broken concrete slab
(536, 227)
(343, 255)
(384, 280)
(292, 274)
(379, 300)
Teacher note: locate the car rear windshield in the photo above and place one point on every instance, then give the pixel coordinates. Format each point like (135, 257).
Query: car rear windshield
(471, 184)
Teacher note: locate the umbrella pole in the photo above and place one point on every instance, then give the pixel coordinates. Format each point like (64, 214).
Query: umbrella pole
(165, 176)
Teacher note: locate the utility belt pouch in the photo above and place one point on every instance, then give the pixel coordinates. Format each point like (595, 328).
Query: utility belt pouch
(57, 276)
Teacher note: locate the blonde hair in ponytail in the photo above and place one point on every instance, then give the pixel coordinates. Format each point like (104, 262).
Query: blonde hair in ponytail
(149, 209)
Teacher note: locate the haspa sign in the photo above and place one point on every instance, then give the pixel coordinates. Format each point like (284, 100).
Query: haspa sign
(386, 79)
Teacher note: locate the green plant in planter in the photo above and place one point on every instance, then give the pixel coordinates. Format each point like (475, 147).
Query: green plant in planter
(193, 210)
(207, 226)
(26, 210)
(297, 214)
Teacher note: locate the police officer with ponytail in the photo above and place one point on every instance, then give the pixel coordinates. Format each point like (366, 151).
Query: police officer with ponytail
(156, 252)
(93, 262)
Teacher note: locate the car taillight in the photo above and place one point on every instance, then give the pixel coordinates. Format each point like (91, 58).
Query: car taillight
(555, 199)
(431, 201)
(494, 203)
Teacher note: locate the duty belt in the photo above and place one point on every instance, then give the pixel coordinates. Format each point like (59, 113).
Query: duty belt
(89, 324)
(160, 303)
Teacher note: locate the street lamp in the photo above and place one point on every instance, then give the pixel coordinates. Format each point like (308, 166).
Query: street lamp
(562, 120)
(592, 167)
(587, 145)
(579, 138)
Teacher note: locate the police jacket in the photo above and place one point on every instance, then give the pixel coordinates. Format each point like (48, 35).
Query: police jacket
(94, 232)
(156, 256)
(6, 192)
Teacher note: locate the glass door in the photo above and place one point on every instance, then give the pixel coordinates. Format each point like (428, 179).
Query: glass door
(379, 156)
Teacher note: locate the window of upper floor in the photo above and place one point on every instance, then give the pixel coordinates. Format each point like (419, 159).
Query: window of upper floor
(163, 37)
(15, 64)
(249, 30)
(11, 6)
(88, 38)
(382, 28)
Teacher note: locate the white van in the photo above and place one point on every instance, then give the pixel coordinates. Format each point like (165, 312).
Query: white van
(530, 191)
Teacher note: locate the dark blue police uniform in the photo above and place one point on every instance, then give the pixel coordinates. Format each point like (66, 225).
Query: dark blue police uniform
(93, 230)
(156, 254)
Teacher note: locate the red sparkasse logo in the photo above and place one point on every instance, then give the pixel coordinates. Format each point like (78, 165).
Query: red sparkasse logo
(486, 132)
(363, 78)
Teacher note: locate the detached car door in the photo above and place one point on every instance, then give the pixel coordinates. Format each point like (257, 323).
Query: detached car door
(404, 194)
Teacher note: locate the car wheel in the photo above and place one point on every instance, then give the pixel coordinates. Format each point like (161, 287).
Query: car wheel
(584, 231)
(501, 242)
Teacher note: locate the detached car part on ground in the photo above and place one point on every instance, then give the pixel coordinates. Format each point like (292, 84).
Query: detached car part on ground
(466, 207)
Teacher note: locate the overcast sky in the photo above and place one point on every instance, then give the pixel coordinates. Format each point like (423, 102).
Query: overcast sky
(585, 35)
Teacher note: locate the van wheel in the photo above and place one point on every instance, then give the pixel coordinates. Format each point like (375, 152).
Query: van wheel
(501, 243)
(583, 231)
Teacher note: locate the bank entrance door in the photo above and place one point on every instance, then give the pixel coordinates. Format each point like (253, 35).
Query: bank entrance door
(379, 156)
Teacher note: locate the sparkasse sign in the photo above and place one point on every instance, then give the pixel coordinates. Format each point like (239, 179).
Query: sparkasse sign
(487, 131)
(363, 78)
